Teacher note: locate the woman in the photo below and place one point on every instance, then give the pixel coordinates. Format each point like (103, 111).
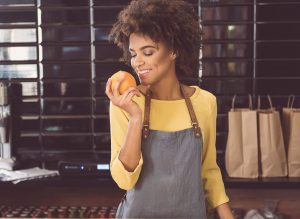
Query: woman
(163, 132)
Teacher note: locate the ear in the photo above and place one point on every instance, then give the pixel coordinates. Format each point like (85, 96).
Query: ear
(173, 55)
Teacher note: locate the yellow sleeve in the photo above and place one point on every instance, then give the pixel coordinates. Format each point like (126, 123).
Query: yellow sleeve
(211, 174)
(118, 129)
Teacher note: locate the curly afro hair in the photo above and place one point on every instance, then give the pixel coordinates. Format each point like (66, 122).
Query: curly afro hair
(173, 22)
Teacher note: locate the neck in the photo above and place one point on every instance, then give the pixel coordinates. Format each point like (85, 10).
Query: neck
(166, 90)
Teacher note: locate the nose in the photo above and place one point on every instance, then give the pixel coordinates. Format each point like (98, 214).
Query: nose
(137, 61)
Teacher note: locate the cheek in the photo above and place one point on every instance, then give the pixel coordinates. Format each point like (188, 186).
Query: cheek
(131, 62)
(162, 62)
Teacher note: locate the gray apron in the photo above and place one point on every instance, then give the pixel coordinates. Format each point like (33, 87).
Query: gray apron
(170, 183)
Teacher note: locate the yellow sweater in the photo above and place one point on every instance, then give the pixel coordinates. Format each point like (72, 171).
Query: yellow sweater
(172, 115)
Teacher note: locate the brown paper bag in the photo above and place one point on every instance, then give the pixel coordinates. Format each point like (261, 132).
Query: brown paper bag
(286, 121)
(291, 122)
(241, 154)
(272, 151)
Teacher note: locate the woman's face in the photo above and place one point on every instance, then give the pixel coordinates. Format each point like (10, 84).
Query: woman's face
(151, 61)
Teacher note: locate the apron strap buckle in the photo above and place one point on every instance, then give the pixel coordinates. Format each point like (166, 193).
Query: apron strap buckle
(197, 130)
(146, 131)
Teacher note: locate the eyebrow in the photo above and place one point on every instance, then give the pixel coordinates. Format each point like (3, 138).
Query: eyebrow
(144, 47)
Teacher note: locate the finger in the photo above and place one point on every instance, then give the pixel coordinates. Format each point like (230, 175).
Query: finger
(128, 90)
(129, 97)
(108, 85)
(125, 94)
(132, 90)
(136, 90)
(108, 90)
(138, 93)
(115, 89)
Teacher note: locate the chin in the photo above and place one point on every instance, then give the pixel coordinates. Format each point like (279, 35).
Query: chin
(143, 82)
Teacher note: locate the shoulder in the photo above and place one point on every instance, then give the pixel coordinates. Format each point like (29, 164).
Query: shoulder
(204, 102)
(203, 95)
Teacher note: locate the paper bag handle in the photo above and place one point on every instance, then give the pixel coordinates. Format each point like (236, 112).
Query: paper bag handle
(269, 99)
(250, 102)
(290, 102)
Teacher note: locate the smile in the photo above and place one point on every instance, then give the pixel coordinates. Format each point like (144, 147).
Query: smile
(141, 72)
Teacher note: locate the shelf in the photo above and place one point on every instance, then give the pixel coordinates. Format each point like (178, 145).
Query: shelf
(269, 183)
(60, 181)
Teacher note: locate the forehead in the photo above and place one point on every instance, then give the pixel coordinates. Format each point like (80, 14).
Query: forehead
(137, 41)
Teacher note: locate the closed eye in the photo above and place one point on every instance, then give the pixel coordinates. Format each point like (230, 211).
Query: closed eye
(148, 54)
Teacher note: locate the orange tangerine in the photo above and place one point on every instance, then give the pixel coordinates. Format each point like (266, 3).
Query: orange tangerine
(128, 81)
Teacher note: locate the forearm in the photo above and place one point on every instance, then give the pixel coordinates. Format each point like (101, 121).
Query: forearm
(130, 152)
(224, 211)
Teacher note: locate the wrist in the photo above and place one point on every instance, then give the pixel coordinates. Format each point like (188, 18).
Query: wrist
(136, 119)
(224, 211)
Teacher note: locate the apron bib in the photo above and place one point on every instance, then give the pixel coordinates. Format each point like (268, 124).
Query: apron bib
(170, 183)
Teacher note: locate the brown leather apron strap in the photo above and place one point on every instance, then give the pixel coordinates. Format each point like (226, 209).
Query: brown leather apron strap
(189, 105)
(195, 125)
(146, 130)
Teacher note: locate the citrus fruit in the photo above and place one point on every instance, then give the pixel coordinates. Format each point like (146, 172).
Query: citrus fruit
(128, 81)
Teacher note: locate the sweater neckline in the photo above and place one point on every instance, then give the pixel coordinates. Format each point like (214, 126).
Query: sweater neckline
(194, 95)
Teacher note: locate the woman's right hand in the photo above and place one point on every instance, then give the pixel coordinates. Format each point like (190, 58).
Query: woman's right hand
(124, 101)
